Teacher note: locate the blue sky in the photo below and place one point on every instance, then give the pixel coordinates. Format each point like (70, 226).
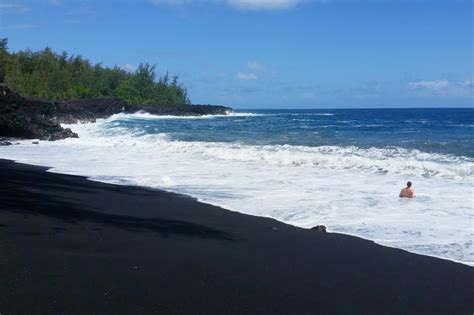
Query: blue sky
(270, 53)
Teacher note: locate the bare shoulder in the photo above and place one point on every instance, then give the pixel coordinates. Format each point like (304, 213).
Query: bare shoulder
(407, 193)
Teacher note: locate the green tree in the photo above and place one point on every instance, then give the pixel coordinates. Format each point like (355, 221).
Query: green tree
(3, 58)
(46, 74)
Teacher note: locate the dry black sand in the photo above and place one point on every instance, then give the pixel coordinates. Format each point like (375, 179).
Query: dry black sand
(69, 245)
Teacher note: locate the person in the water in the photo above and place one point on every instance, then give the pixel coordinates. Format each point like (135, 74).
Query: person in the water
(407, 192)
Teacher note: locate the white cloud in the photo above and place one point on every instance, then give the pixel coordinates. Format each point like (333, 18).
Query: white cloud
(17, 27)
(56, 2)
(441, 88)
(172, 2)
(310, 96)
(432, 85)
(467, 84)
(128, 68)
(254, 65)
(263, 4)
(12, 7)
(237, 4)
(246, 76)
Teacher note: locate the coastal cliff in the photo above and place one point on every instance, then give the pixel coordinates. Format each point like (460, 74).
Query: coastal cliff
(41, 119)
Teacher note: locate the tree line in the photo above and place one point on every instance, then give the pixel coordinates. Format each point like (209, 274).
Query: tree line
(49, 75)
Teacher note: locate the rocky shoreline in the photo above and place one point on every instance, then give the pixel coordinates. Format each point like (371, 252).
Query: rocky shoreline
(40, 119)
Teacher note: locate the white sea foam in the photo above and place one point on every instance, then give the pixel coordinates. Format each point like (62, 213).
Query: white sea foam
(349, 189)
(145, 115)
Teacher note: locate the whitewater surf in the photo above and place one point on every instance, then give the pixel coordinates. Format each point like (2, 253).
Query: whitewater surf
(337, 168)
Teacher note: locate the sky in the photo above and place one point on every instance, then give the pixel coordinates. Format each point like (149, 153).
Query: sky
(269, 53)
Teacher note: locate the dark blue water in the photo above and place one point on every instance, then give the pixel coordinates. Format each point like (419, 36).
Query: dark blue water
(448, 131)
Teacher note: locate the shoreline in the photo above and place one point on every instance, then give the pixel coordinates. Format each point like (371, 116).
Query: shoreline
(52, 169)
(328, 228)
(72, 245)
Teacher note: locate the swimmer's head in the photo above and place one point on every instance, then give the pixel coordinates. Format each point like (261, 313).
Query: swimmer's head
(408, 184)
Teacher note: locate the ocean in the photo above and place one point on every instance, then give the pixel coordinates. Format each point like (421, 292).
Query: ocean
(341, 168)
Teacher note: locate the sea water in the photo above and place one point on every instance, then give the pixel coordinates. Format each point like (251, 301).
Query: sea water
(340, 168)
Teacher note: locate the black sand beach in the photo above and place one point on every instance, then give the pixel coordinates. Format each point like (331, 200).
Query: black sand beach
(69, 245)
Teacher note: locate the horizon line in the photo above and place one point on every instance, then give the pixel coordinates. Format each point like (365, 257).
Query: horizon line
(328, 108)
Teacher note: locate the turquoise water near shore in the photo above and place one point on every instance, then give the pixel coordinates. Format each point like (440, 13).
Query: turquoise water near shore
(341, 168)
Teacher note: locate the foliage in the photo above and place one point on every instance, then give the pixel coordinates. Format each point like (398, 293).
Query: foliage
(3, 58)
(45, 74)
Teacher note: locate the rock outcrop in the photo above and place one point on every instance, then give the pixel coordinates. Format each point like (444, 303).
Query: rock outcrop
(87, 110)
(41, 119)
(20, 118)
(319, 228)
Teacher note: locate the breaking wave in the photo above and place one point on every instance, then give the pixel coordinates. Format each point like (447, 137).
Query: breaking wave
(350, 189)
(384, 161)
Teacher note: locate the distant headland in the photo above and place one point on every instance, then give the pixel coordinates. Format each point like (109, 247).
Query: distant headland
(40, 90)
(41, 119)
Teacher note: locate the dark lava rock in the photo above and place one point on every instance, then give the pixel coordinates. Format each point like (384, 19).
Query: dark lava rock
(185, 110)
(319, 228)
(21, 118)
(41, 119)
(88, 110)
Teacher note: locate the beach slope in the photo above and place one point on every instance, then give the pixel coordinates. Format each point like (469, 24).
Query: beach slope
(69, 245)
